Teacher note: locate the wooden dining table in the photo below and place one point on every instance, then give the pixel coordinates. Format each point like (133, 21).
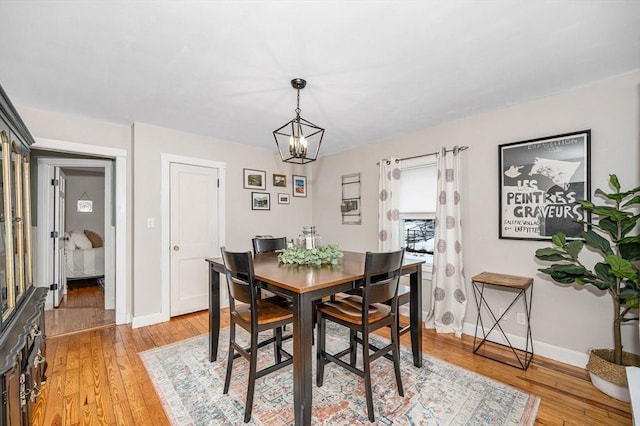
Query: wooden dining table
(303, 285)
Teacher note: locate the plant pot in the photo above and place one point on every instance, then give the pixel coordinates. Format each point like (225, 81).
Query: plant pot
(608, 376)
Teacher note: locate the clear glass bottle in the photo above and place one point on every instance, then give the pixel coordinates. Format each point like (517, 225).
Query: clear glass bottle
(310, 238)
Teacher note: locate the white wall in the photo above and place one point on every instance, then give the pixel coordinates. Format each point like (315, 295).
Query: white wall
(242, 223)
(575, 319)
(77, 184)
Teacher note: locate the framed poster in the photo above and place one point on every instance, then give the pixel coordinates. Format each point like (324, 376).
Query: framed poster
(540, 181)
(254, 179)
(299, 186)
(260, 201)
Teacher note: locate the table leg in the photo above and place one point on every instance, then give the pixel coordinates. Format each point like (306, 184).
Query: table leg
(214, 313)
(303, 311)
(415, 314)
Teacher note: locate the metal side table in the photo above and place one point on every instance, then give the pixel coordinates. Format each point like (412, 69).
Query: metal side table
(517, 285)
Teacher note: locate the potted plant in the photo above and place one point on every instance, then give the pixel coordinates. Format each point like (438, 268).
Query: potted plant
(615, 237)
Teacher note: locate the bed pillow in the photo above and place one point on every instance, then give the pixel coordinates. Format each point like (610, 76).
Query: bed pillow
(81, 241)
(96, 240)
(68, 242)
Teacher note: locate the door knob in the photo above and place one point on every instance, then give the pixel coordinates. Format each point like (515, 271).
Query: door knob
(176, 248)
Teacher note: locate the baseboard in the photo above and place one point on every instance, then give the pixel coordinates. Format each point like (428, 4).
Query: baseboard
(556, 353)
(146, 320)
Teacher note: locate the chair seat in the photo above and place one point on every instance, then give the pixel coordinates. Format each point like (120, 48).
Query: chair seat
(350, 309)
(272, 309)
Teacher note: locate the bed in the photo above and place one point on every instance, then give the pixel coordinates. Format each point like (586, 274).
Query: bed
(84, 257)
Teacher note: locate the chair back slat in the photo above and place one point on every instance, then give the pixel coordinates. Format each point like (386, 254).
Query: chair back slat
(267, 245)
(240, 276)
(382, 275)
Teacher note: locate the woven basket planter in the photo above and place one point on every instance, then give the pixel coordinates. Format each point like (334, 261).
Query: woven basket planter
(609, 377)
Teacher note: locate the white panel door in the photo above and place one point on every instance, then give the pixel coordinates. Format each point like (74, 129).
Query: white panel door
(193, 235)
(59, 271)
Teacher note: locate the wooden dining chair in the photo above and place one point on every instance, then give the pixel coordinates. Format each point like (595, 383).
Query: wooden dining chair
(255, 315)
(267, 245)
(376, 308)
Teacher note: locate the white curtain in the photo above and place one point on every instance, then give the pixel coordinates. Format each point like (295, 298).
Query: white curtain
(389, 201)
(449, 293)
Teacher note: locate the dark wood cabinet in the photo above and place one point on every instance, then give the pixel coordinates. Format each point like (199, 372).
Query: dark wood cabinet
(22, 330)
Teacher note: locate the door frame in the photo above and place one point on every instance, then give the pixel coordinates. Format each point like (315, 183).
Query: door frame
(166, 160)
(46, 171)
(117, 260)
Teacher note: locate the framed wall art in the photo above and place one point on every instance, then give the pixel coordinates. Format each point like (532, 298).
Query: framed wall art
(254, 179)
(299, 186)
(540, 183)
(350, 205)
(279, 180)
(283, 198)
(260, 201)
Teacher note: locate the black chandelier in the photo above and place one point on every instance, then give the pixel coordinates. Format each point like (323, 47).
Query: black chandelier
(299, 140)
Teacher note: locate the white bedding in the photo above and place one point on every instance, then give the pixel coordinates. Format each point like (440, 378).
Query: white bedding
(86, 263)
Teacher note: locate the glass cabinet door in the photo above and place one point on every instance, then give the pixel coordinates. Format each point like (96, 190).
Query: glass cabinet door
(26, 208)
(18, 225)
(7, 289)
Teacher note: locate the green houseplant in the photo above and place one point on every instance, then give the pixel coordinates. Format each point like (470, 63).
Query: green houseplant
(615, 237)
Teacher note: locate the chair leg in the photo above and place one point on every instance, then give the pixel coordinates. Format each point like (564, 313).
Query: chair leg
(253, 364)
(367, 375)
(232, 339)
(320, 349)
(277, 345)
(353, 355)
(395, 340)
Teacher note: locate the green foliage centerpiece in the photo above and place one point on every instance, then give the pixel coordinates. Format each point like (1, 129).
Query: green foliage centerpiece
(328, 254)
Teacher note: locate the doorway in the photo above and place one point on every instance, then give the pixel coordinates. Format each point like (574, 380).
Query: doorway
(111, 163)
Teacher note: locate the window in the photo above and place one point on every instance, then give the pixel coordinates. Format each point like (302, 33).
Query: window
(418, 189)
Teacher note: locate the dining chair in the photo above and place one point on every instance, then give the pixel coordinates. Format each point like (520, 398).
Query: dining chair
(376, 308)
(267, 245)
(255, 315)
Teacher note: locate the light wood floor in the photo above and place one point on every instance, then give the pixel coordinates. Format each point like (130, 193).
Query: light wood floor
(97, 378)
(81, 309)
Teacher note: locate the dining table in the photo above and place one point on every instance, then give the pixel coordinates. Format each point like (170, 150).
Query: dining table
(304, 284)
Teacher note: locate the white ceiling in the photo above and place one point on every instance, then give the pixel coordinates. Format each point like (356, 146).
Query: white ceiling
(375, 69)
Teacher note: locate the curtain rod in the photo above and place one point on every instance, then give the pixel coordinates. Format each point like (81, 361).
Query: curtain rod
(460, 148)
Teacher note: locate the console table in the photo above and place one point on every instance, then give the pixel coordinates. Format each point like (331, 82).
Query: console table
(518, 286)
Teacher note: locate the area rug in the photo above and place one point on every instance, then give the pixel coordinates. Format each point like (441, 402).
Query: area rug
(438, 393)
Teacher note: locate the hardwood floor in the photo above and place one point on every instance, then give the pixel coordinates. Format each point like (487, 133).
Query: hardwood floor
(81, 309)
(96, 378)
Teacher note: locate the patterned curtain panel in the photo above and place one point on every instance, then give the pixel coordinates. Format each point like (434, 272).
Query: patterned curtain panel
(449, 292)
(389, 213)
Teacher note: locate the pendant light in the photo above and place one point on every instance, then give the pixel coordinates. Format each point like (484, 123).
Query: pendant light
(299, 140)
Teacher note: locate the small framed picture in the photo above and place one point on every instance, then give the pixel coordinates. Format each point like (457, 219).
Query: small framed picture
(254, 179)
(279, 180)
(299, 186)
(260, 201)
(85, 206)
(283, 198)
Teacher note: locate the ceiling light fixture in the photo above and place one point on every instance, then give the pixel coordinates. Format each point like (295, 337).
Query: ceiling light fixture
(299, 140)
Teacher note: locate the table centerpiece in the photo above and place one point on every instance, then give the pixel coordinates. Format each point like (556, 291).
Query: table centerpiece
(328, 254)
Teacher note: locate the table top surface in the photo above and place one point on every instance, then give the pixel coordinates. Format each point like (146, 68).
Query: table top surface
(305, 278)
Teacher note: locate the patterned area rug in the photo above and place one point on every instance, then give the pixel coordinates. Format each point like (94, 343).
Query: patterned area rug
(190, 388)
